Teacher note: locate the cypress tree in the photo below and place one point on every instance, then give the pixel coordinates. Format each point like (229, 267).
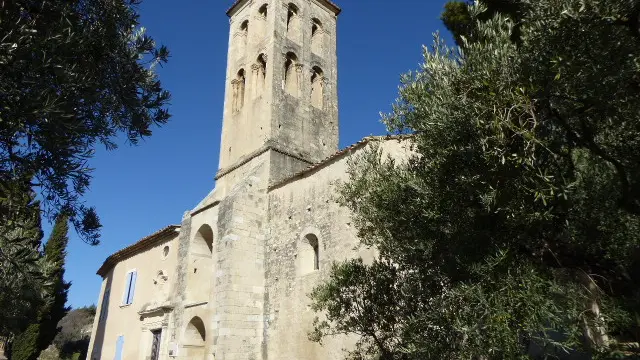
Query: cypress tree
(37, 336)
(21, 266)
(55, 251)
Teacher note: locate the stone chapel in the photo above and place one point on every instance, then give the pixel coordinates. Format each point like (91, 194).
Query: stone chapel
(231, 280)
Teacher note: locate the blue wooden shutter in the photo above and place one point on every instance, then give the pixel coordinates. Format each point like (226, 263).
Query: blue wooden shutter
(119, 347)
(132, 286)
(125, 295)
(105, 304)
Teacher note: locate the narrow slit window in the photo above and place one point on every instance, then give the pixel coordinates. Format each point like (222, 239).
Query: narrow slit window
(239, 84)
(263, 11)
(293, 22)
(317, 87)
(290, 74)
(316, 36)
(244, 31)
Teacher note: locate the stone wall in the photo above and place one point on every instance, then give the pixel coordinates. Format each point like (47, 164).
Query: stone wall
(307, 205)
(269, 111)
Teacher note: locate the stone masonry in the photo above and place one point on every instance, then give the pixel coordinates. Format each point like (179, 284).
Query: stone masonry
(252, 250)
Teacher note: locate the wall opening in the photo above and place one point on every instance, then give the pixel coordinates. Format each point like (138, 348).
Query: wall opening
(244, 32)
(239, 85)
(261, 74)
(261, 23)
(203, 241)
(316, 36)
(263, 11)
(291, 74)
(200, 266)
(309, 254)
(317, 87)
(195, 333)
(293, 22)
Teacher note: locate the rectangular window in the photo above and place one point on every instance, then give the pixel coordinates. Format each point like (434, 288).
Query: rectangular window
(105, 304)
(119, 348)
(130, 288)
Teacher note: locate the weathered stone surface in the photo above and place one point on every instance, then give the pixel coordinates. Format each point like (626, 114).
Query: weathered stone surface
(252, 250)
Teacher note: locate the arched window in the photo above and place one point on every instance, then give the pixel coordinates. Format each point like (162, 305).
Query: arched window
(261, 74)
(293, 22)
(260, 28)
(195, 334)
(239, 85)
(203, 241)
(263, 11)
(291, 74)
(309, 254)
(200, 266)
(316, 36)
(317, 87)
(244, 32)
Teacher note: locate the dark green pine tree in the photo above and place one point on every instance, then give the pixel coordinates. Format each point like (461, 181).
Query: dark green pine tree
(55, 251)
(38, 336)
(23, 288)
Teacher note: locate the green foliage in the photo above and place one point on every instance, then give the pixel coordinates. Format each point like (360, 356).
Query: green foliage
(73, 74)
(514, 229)
(44, 328)
(463, 25)
(457, 20)
(25, 345)
(24, 285)
(55, 252)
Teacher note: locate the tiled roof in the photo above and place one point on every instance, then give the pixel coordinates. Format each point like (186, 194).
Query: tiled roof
(336, 9)
(337, 155)
(139, 246)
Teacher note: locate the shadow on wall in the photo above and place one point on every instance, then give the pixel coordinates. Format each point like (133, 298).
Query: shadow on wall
(101, 318)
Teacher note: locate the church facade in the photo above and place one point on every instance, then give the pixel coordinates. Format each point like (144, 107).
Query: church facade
(231, 280)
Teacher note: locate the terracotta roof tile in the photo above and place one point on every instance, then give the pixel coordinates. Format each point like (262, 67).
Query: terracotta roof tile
(133, 249)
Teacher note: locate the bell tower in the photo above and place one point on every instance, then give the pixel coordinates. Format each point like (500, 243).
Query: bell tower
(281, 84)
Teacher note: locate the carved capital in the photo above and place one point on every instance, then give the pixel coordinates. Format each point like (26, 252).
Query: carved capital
(255, 67)
(299, 68)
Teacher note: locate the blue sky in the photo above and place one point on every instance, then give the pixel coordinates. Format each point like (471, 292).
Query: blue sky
(138, 190)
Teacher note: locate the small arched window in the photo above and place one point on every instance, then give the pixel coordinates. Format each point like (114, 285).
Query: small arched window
(317, 87)
(244, 32)
(293, 22)
(239, 85)
(261, 75)
(309, 254)
(316, 36)
(263, 11)
(291, 74)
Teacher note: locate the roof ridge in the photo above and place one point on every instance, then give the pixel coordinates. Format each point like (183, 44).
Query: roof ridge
(134, 248)
(338, 154)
